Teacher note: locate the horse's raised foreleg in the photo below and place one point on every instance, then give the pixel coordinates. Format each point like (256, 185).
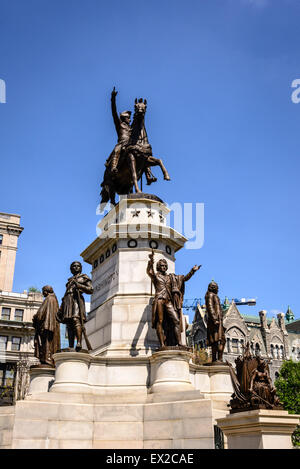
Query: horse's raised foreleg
(157, 162)
(133, 172)
(149, 176)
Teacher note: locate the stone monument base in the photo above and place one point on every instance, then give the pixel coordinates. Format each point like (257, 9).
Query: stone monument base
(157, 402)
(259, 429)
(178, 420)
(41, 378)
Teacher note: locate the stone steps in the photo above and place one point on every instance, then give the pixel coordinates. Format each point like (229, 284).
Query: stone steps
(176, 423)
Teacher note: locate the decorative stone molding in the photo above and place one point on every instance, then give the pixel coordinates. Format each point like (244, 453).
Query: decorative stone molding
(259, 429)
(170, 371)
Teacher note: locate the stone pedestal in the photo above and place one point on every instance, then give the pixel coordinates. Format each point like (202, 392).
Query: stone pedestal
(71, 375)
(259, 429)
(119, 323)
(170, 371)
(213, 381)
(41, 379)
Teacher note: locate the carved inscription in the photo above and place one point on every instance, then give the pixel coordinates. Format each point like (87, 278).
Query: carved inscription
(107, 281)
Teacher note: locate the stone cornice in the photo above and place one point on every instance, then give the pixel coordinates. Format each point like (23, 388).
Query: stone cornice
(11, 228)
(19, 326)
(175, 239)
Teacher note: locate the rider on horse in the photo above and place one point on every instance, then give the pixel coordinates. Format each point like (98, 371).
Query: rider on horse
(123, 128)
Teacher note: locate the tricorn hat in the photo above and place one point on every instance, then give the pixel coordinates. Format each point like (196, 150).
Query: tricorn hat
(125, 114)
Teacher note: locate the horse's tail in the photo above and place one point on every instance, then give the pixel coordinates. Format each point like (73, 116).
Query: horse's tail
(104, 194)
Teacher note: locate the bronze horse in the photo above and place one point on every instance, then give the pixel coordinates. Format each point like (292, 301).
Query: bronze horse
(135, 159)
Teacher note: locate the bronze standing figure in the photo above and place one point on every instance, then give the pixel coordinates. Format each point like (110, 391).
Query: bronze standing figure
(47, 329)
(215, 328)
(72, 309)
(167, 316)
(132, 156)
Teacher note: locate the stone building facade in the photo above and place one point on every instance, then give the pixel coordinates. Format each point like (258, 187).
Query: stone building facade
(10, 231)
(16, 312)
(270, 338)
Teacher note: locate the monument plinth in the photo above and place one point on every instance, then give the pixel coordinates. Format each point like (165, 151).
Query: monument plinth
(170, 371)
(259, 429)
(71, 375)
(121, 303)
(41, 378)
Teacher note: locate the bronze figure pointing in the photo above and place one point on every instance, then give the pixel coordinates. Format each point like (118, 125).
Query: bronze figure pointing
(167, 315)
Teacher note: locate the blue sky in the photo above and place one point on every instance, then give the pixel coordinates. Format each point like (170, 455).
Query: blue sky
(217, 76)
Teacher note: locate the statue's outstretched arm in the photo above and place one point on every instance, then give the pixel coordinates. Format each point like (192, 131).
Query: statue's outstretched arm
(114, 110)
(191, 272)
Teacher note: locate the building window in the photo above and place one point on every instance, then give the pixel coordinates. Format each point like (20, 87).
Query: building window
(235, 346)
(1, 238)
(3, 342)
(5, 314)
(19, 313)
(16, 343)
(281, 351)
(9, 378)
(228, 345)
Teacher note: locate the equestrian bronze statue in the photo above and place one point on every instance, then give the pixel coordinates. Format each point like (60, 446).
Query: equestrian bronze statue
(132, 156)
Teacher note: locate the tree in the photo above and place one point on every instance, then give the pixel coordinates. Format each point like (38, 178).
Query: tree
(288, 390)
(34, 290)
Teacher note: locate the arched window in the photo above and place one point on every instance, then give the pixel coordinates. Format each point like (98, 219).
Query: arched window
(281, 351)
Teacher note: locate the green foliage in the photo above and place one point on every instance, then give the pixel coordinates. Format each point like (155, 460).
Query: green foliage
(34, 290)
(288, 390)
(200, 356)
